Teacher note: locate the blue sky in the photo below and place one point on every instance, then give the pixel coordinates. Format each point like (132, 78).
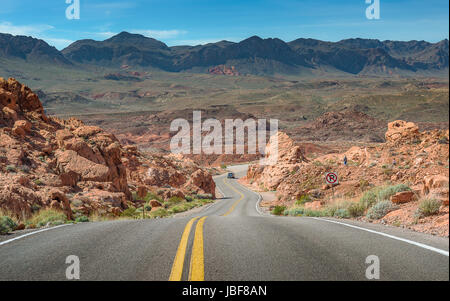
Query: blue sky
(192, 22)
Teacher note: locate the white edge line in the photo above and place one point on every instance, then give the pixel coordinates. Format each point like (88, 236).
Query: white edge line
(418, 244)
(257, 202)
(31, 233)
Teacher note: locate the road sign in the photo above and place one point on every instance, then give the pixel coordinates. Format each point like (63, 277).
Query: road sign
(331, 178)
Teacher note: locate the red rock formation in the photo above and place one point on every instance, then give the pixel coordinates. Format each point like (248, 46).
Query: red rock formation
(64, 164)
(224, 70)
(419, 159)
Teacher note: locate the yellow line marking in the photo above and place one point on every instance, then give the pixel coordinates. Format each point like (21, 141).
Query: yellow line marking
(177, 267)
(197, 266)
(235, 203)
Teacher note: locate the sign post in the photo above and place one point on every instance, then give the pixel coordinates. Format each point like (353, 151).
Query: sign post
(332, 179)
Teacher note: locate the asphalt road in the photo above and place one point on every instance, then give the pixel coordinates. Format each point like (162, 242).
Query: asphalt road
(229, 240)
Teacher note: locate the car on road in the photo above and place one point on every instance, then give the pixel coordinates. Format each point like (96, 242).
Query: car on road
(230, 175)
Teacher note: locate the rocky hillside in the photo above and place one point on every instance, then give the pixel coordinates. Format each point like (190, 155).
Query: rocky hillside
(348, 125)
(415, 161)
(30, 50)
(64, 164)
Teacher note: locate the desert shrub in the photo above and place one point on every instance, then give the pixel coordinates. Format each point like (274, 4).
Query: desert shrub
(129, 212)
(381, 193)
(303, 199)
(356, 209)
(428, 206)
(160, 212)
(278, 210)
(189, 198)
(148, 208)
(313, 213)
(206, 196)
(38, 182)
(82, 219)
(7, 224)
(182, 207)
(387, 191)
(296, 211)
(364, 184)
(48, 217)
(174, 200)
(380, 209)
(11, 168)
(341, 213)
(25, 168)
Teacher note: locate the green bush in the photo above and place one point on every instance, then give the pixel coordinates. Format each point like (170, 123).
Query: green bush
(341, 213)
(380, 209)
(356, 209)
(82, 219)
(25, 168)
(278, 210)
(189, 198)
(6, 225)
(303, 199)
(381, 193)
(129, 212)
(48, 217)
(174, 200)
(313, 213)
(206, 196)
(11, 168)
(160, 212)
(428, 207)
(296, 211)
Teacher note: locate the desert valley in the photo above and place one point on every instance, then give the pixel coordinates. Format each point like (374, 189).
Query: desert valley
(86, 131)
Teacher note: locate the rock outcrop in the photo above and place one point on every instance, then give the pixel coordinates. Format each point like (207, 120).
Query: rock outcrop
(224, 70)
(289, 159)
(401, 131)
(409, 156)
(48, 162)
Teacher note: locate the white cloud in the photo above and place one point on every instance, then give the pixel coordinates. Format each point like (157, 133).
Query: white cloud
(160, 34)
(36, 31)
(199, 41)
(24, 30)
(104, 34)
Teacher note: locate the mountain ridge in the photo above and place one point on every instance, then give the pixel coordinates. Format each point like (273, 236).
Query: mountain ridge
(254, 55)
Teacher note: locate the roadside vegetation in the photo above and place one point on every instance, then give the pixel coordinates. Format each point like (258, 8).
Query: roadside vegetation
(374, 204)
(51, 217)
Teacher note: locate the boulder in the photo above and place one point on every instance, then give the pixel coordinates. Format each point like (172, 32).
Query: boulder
(403, 197)
(438, 187)
(21, 128)
(401, 131)
(155, 204)
(142, 192)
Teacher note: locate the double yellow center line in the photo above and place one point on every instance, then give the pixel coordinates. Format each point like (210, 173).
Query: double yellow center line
(197, 263)
(197, 266)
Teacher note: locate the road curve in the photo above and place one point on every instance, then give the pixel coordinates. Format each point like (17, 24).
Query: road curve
(229, 240)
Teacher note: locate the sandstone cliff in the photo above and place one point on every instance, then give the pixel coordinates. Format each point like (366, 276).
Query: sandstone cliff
(67, 165)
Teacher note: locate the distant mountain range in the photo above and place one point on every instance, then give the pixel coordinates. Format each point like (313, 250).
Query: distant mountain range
(251, 56)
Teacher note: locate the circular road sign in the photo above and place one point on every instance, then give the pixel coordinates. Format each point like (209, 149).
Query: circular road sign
(331, 178)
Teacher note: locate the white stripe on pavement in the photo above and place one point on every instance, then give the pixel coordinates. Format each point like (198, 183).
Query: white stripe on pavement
(418, 244)
(31, 233)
